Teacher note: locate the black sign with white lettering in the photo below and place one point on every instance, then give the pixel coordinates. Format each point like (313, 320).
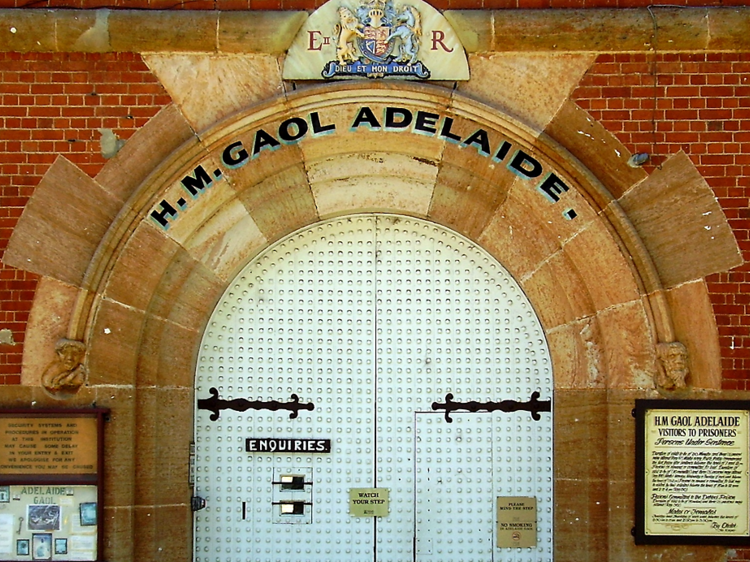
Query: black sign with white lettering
(273, 445)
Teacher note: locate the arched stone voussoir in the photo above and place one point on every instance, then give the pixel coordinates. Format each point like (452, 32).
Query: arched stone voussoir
(348, 165)
(566, 217)
(196, 193)
(280, 203)
(368, 92)
(166, 354)
(530, 86)
(596, 148)
(604, 267)
(113, 352)
(629, 345)
(558, 291)
(578, 354)
(372, 193)
(365, 138)
(49, 321)
(362, 181)
(62, 225)
(464, 201)
(137, 346)
(145, 206)
(516, 239)
(225, 240)
(249, 143)
(186, 292)
(417, 150)
(228, 82)
(144, 151)
(681, 223)
(139, 266)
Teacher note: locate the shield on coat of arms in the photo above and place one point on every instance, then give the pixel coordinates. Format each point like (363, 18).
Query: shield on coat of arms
(375, 45)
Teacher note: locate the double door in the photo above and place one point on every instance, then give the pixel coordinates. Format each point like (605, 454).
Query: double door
(357, 364)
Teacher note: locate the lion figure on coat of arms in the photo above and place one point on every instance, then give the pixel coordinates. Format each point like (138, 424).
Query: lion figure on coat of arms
(348, 28)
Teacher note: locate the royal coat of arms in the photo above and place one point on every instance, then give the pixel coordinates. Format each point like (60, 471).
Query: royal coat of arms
(377, 40)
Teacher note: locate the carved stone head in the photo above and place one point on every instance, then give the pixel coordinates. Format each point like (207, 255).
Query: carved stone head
(64, 376)
(673, 366)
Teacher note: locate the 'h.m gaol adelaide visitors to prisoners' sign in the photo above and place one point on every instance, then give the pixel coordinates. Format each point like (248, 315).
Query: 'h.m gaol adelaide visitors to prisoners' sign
(692, 472)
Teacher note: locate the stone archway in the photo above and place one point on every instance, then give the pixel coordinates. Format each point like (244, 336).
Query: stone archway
(176, 214)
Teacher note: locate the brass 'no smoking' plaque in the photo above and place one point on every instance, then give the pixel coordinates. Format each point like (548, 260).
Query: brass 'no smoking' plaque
(516, 522)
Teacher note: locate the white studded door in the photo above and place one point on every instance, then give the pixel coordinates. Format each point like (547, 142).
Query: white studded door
(371, 353)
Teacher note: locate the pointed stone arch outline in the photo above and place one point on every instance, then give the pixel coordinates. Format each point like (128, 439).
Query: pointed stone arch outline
(604, 284)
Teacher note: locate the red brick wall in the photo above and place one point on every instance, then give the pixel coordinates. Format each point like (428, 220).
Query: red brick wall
(698, 103)
(54, 104)
(312, 4)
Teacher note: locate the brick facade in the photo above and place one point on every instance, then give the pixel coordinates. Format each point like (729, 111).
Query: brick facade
(55, 104)
(659, 103)
(700, 104)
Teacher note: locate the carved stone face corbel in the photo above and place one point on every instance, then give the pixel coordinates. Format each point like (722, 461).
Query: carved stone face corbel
(673, 366)
(64, 376)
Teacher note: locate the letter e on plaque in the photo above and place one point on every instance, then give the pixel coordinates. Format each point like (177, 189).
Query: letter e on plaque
(516, 522)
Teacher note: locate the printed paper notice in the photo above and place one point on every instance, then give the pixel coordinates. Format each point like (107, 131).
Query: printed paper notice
(6, 533)
(83, 543)
(48, 445)
(696, 472)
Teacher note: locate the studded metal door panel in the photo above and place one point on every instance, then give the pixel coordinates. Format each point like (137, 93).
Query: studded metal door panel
(371, 318)
(451, 320)
(455, 487)
(299, 320)
(462, 467)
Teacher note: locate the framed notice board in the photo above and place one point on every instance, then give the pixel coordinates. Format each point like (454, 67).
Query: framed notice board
(51, 474)
(692, 472)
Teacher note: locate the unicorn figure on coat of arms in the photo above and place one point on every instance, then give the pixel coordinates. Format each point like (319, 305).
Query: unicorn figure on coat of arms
(409, 33)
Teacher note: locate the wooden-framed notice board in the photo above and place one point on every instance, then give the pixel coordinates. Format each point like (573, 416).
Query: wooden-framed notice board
(51, 474)
(692, 472)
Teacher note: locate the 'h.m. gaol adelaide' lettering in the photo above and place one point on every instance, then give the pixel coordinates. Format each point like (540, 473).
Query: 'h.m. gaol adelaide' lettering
(391, 119)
